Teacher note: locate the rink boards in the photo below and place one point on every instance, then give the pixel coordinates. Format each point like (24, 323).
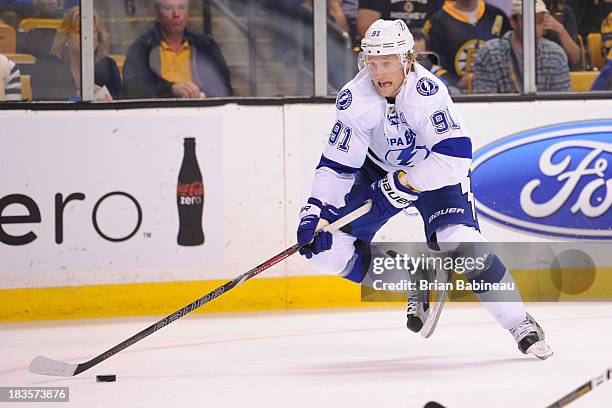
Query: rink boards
(89, 218)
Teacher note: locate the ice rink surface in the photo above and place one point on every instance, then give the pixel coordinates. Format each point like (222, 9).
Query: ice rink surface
(348, 358)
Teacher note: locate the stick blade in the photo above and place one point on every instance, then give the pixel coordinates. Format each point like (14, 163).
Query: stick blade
(46, 366)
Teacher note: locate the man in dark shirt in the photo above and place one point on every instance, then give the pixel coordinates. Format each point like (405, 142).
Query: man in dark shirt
(590, 14)
(560, 27)
(413, 12)
(33, 8)
(457, 32)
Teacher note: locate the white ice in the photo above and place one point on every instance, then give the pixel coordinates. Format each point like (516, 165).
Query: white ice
(348, 358)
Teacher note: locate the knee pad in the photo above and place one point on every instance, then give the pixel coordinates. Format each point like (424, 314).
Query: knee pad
(451, 236)
(335, 260)
(472, 254)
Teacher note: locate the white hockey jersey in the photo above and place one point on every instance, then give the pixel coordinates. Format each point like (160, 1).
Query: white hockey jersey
(421, 134)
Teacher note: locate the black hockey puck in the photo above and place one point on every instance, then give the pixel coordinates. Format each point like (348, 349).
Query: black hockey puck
(106, 378)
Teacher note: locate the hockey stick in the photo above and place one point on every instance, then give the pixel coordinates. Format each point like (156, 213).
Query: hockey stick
(571, 397)
(47, 366)
(583, 389)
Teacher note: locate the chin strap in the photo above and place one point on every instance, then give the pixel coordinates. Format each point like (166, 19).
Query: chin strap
(407, 70)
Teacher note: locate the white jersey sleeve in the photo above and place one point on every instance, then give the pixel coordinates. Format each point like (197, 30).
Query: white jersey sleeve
(358, 109)
(448, 142)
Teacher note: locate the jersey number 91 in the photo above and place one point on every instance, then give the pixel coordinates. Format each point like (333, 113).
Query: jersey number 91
(340, 133)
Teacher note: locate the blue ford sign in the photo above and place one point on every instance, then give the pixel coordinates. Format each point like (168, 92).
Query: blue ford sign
(555, 180)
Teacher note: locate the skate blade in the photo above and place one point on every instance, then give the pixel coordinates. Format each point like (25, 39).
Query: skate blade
(540, 349)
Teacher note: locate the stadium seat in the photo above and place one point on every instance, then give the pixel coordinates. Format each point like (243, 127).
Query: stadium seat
(29, 23)
(25, 62)
(594, 47)
(9, 17)
(21, 58)
(582, 80)
(8, 39)
(37, 41)
(120, 60)
(26, 88)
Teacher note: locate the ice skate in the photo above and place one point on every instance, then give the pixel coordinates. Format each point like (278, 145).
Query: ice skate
(417, 312)
(530, 338)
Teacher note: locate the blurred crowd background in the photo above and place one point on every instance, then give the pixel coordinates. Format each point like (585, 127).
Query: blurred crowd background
(222, 48)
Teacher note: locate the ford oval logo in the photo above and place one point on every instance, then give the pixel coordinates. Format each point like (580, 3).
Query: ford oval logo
(555, 180)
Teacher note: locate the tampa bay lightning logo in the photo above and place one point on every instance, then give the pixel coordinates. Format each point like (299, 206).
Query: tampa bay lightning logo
(427, 87)
(344, 99)
(404, 151)
(402, 156)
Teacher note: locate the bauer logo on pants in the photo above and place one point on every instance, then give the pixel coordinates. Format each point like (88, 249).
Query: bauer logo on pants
(555, 180)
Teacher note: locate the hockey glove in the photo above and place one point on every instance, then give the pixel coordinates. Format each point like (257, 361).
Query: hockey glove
(389, 196)
(307, 236)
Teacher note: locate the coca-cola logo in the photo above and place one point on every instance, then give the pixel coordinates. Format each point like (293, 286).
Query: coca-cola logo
(190, 193)
(555, 180)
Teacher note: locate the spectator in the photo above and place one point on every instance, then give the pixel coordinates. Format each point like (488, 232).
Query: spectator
(293, 45)
(503, 5)
(414, 13)
(58, 76)
(606, 35)
(560, 27)
(498, 66)
(603, 82)
(589, 14)
(429, 59)
(10, 80)
(34, 8)
(334, 8)
(458, 31)
(350, 8)
(170, 60)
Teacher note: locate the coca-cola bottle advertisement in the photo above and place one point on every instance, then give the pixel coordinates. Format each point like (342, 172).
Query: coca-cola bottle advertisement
(190, 197)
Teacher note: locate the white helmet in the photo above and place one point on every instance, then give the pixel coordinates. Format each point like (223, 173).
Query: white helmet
(388, 37)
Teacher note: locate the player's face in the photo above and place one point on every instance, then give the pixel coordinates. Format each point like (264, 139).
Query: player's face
(387, 73)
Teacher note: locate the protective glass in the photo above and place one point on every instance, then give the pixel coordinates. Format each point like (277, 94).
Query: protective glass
(380, 64)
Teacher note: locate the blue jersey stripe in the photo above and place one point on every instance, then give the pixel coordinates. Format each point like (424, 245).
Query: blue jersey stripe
(454, 147)
(335, 166)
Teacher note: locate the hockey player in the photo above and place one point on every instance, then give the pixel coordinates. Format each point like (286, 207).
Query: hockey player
(399, 141)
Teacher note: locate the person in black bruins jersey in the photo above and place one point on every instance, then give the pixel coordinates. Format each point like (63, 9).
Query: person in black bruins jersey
(457, 31)
(413, 12)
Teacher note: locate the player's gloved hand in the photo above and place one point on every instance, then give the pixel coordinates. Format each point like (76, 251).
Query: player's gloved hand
(389, 196)
(310, 215)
